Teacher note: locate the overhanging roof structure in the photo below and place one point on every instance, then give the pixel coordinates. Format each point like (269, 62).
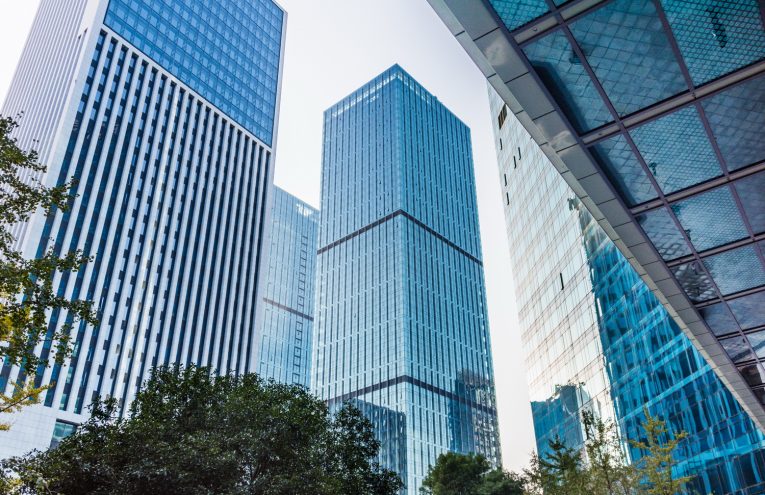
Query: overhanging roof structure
(654, 113)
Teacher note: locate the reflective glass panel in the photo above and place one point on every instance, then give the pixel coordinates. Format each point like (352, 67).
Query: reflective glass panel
(694, 281)
(664, 234)
(737, 121)
(753, 374)
(716, 37)
(627, 47)
(749, 310)
(751, 192)
(710, 219)
(757, 339)
(736, 270)
(624, 170)
(677, 150)
(738, 349)
(516, 13)
(563, 75)
(719, 319)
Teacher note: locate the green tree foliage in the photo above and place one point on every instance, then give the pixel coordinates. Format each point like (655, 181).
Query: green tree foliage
(654, 469)
(460, 474)
(26, 285)
(188, 432)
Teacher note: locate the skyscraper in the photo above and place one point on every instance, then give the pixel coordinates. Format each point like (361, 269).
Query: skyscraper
(651, 110)
(284, 339)
(401, 323)
(596, 338)
(165, 113)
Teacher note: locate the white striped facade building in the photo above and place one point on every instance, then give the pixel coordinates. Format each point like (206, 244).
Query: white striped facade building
(165, 113)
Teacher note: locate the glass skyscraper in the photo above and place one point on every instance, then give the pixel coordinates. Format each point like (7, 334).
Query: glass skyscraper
(284, 339)
(596, 338)
(401, 326)
(165, 112)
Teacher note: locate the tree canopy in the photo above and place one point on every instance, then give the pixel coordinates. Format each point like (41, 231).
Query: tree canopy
(189, 432)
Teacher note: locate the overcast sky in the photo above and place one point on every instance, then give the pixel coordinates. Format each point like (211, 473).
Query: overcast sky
(333, 47)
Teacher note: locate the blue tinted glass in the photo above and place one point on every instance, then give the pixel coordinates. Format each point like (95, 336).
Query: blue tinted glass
(677, 150)
(624, 170)
(757, 340)
(737, 121)
(516, 13)
(627, 48)
(751, 192)
(563, 75)
(664, 234)
(716, 37)
(738, 349)
(748, 310)
(226, 51)
(719, 319)
(710, 219)
(694, 281)
(736, 270)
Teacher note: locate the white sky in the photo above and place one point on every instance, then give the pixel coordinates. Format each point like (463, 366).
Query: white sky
(333, 47)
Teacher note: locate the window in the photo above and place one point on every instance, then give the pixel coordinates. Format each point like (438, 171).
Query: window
(502, 116)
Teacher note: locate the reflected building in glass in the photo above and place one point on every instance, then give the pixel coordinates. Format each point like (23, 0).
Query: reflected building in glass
(596, 338)
(283, 341)
(401, 321)
(164, 111)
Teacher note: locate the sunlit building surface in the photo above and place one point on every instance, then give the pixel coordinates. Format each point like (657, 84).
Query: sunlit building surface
(596, 338)
(284, 339)
(401, 321)
(164, 112)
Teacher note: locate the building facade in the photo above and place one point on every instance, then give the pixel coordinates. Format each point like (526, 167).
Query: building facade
(401, 325)
(596, 338)
(651, 110)
(284, 340)
(165, 113)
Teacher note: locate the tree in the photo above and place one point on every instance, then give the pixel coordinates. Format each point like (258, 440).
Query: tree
(560, 472)
(608, 471)
(27, 296)
(654, 469)
(188, 432)
(460, 474)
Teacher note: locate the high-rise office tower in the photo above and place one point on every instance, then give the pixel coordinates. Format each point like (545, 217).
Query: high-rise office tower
(596, 338)
(284, 339)
(401, 323)
(165, 113)
(651, 110)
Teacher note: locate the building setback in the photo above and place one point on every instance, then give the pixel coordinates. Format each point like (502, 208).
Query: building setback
(401, 326)
(652, 110)
(284, 339)
(165, 113)
(596, 338)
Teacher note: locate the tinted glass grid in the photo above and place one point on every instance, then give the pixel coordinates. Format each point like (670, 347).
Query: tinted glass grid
(565, 77)
(707, 230)
(737, 120)
(751, 192)
(736, 270)
(401, 314)
(516, 13)
(716, 37)
(226, 51)
(648, 359)
(677, 150)
(284, 343)
(660, 227)
(622, 166)
(629, 52)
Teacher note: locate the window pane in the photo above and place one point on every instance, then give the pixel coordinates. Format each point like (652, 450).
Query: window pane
(716, 37)
(627, 47)
(677, 150)
(563, 75)
(624, 170)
